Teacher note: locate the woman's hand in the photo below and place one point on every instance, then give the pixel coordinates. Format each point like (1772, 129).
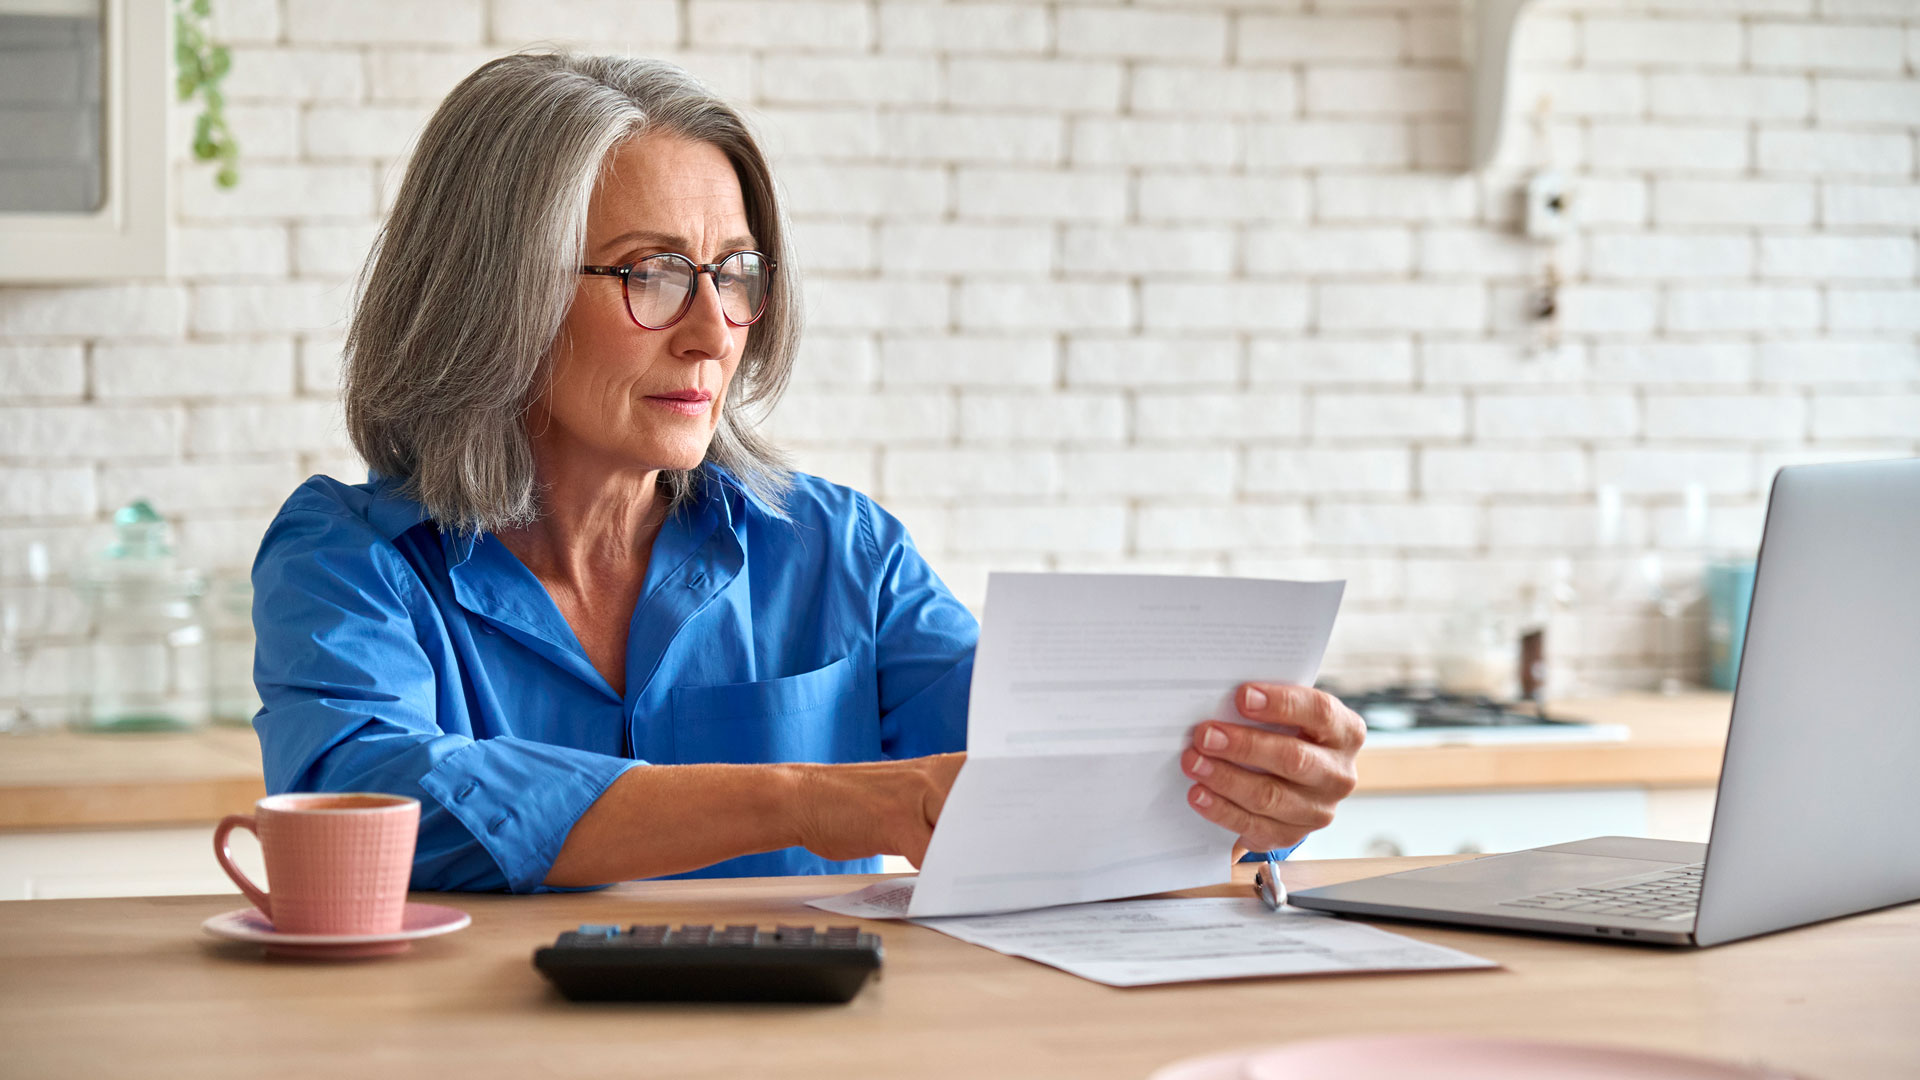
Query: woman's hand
(1309, 773)
(875, 807)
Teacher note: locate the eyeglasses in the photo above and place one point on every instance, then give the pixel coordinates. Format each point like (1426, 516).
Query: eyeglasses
(660, 288)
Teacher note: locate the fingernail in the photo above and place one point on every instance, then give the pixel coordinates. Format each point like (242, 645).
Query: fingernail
(1201, 798)
(1256, 699)
(1202, 765)
(1214, 739)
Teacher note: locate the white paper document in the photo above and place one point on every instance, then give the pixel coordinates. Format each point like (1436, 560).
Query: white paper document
(1144, 942)
(1085, 687)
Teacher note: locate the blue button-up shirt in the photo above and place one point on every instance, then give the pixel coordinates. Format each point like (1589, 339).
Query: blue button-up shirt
(395, 656)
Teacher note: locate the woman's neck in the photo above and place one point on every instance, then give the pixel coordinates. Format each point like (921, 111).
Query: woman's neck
(596, 525)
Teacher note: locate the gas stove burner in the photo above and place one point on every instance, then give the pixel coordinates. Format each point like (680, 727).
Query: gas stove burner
(1407, 716)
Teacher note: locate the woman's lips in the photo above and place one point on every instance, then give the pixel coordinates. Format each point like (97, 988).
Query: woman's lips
(686, 404)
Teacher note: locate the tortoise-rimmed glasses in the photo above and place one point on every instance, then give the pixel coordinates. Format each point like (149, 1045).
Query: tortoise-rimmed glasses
(659, 289)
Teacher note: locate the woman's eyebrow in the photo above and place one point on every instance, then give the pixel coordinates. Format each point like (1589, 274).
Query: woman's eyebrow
(670, 240)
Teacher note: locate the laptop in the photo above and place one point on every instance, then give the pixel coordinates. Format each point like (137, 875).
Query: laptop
(1818, 813)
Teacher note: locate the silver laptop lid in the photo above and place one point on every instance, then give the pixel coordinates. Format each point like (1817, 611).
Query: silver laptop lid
(1819, 806)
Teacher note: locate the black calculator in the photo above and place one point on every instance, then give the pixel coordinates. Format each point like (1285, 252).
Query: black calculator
(701, 963)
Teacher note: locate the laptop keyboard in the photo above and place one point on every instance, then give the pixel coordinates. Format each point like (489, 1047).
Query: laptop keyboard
(1666, 894)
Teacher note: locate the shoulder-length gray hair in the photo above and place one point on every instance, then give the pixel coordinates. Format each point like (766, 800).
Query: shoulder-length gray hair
(472, 275)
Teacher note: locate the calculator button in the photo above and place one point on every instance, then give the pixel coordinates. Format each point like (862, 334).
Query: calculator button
(598, 930)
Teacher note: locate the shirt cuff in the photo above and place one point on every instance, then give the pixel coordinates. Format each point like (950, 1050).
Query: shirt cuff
(1277, 853)
(520, 799)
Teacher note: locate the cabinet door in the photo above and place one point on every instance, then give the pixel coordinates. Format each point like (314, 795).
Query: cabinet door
(1372, 826)
(172, 861)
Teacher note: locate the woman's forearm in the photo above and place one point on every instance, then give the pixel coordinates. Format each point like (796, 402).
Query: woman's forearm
(665, 819)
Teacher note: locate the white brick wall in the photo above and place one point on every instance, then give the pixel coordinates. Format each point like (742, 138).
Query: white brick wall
(1191, 287)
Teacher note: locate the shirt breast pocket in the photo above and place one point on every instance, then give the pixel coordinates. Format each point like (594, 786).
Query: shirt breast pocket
(821, 715)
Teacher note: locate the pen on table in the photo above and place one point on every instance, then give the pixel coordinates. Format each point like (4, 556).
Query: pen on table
(1268, 886)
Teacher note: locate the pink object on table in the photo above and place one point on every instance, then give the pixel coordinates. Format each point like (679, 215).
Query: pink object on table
(1456, 1057)
(419, 921)
(336, 863)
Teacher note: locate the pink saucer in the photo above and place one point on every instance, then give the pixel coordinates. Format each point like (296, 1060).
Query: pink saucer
(419, 921)
(1448, 1057)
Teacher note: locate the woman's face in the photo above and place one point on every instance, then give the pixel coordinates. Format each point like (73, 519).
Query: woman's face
(627, 398)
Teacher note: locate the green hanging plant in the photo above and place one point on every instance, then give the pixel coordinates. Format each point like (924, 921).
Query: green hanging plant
(203, 64)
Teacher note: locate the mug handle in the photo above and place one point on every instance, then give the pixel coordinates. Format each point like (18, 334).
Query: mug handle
(223, 852)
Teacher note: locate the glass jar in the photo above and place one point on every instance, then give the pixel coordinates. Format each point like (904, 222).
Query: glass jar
(229, 609)
(145, 666)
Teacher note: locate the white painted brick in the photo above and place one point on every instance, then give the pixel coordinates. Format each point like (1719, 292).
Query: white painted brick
(1726, 417)
(1871, 204)
(1299, 144)
(1502, 472)
(292, 306)
(1838, 362)
(1123, 141)
(283, 74)
(1385, 91)
(878, 191)
(89, 432)
(1888, 102)
(1059, 418)
(228, 540)
(241, 21)
(857, 469)
(1761, 308)
(1546, 37)
(1184, 360)
(187, 487)
(1331, 361)
(1330, 252)
(849, 79)
(1318, 39)
(1874, 309)
(320, 366)
(1213, 91)
(1044, 305)
(1732, 202)
(1436, 36)
(1146, 250)
(1500, 363)
(252, 369)
(269, 132)
(1241, 417)
(925, 360)
(1555, 416)
(1223, 305)
(971, 28)
(1668, 472)
(420, 75)
(625, 25)
(961, 248)
(1847, 416)
(1681, 42)
(1390, 415)
(1065, 529)
(1478, 253)
(1412, 198)
(332, 250)
(826, 132)
(969, 472)
(1609, 92)
(285, 191)
(1695, 96)
(1401, 306)
(376, 22)
(1415, 526)
(92, 311)
(832, 245)
(1824, 257)
(1834, 153)
(28, 372)
(1051, 85)
(848, 304)
(229, 251)
(266, 428)
(1559, 528)
(31, 494)
(1666, 149)
(1106, 31)
(1681, 255)
(729, 73)
(1608, 310)
(1611, 200)
(1129, 471)
(1315, 471)
(845, 418)
(1215, 197)
(1224, 529)
(1033, 194)
(1812, 46)
(336, 132)
(1014, 138)
(1674, 362)
(1867, 9)
(837, 360)
(781, 24)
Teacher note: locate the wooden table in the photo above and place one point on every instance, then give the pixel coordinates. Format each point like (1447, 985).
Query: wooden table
(118, 987)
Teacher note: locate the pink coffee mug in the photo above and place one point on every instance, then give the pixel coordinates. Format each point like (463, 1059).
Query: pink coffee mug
(338, 863)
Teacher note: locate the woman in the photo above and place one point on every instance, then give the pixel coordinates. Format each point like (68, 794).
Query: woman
(581, 611)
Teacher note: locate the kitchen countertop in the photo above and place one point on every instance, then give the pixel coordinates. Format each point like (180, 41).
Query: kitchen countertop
(73, 779)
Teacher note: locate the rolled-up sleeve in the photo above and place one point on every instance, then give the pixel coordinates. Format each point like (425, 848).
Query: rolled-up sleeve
(350, 663)
(923, 644)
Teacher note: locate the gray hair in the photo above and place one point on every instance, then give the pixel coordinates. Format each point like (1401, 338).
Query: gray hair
(440, 374)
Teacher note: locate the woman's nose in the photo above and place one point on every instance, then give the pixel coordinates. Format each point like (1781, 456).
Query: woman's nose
(705, 330)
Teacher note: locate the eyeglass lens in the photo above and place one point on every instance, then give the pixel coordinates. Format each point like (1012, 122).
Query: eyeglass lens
(660, 288)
